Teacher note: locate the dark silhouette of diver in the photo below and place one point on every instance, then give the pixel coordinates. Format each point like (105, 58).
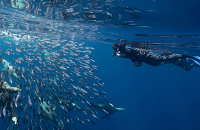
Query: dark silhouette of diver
(139, 55)
(108, 109)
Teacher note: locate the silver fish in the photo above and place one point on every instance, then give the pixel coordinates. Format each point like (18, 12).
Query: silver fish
(38, 69)
(2, 74)
(11, 104)
(23, 69)
(25, 110)
(37, 89)
(10, 79)
(4, 110)
(90, 121)
(32, 72)
(29, 100)
(18, 96)
(95, 116)
(105, 111)
(30, 82)
(38, 109)
(80, 120)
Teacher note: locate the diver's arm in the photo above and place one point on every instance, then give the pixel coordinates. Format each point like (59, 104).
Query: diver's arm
(138, 64)
(9, 88)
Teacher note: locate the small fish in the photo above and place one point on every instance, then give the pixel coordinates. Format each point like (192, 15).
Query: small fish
(25, 110)
(10, 79)
(29, 100)
(37, 89)
(11, 104)
(105, 111)
(38, 109)
(38, 69)
(3, 5)
(30, 82)
(32, 72)
(2, 74)
(80, 120)
(18, 96)
(95, 116)
(4, 110)
(91, 121)
(17, 43)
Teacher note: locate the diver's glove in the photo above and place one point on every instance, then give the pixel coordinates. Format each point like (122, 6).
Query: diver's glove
(138, 64)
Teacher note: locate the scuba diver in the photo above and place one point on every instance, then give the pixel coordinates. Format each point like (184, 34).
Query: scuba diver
(8, 66)
(16, 3)
(108, 109)
(139, 55)
(6, 99)
(49, 112)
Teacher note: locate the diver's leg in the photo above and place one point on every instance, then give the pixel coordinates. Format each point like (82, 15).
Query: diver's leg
(185, 64)
(155, 59)
(14, 116)
(171, 58)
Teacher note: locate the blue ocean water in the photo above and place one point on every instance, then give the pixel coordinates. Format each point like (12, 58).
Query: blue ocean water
(154, 98)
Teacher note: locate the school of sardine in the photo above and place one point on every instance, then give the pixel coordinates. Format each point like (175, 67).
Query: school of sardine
(51, 63)
(51, 80)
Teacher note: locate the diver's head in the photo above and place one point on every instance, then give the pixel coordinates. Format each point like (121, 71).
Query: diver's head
(116, 47)
(119, 50)
(1, 58)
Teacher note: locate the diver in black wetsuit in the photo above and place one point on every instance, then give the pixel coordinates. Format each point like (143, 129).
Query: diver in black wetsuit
(139, 55)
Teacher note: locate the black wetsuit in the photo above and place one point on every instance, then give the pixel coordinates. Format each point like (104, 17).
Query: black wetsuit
(139, 55)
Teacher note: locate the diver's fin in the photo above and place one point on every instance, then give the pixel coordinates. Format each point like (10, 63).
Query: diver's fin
(197, 57)
(108, 118)
(105, 116)
(196, 60)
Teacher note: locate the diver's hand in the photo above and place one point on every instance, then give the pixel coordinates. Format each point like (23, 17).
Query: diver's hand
(138, 64)
(16, 89)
